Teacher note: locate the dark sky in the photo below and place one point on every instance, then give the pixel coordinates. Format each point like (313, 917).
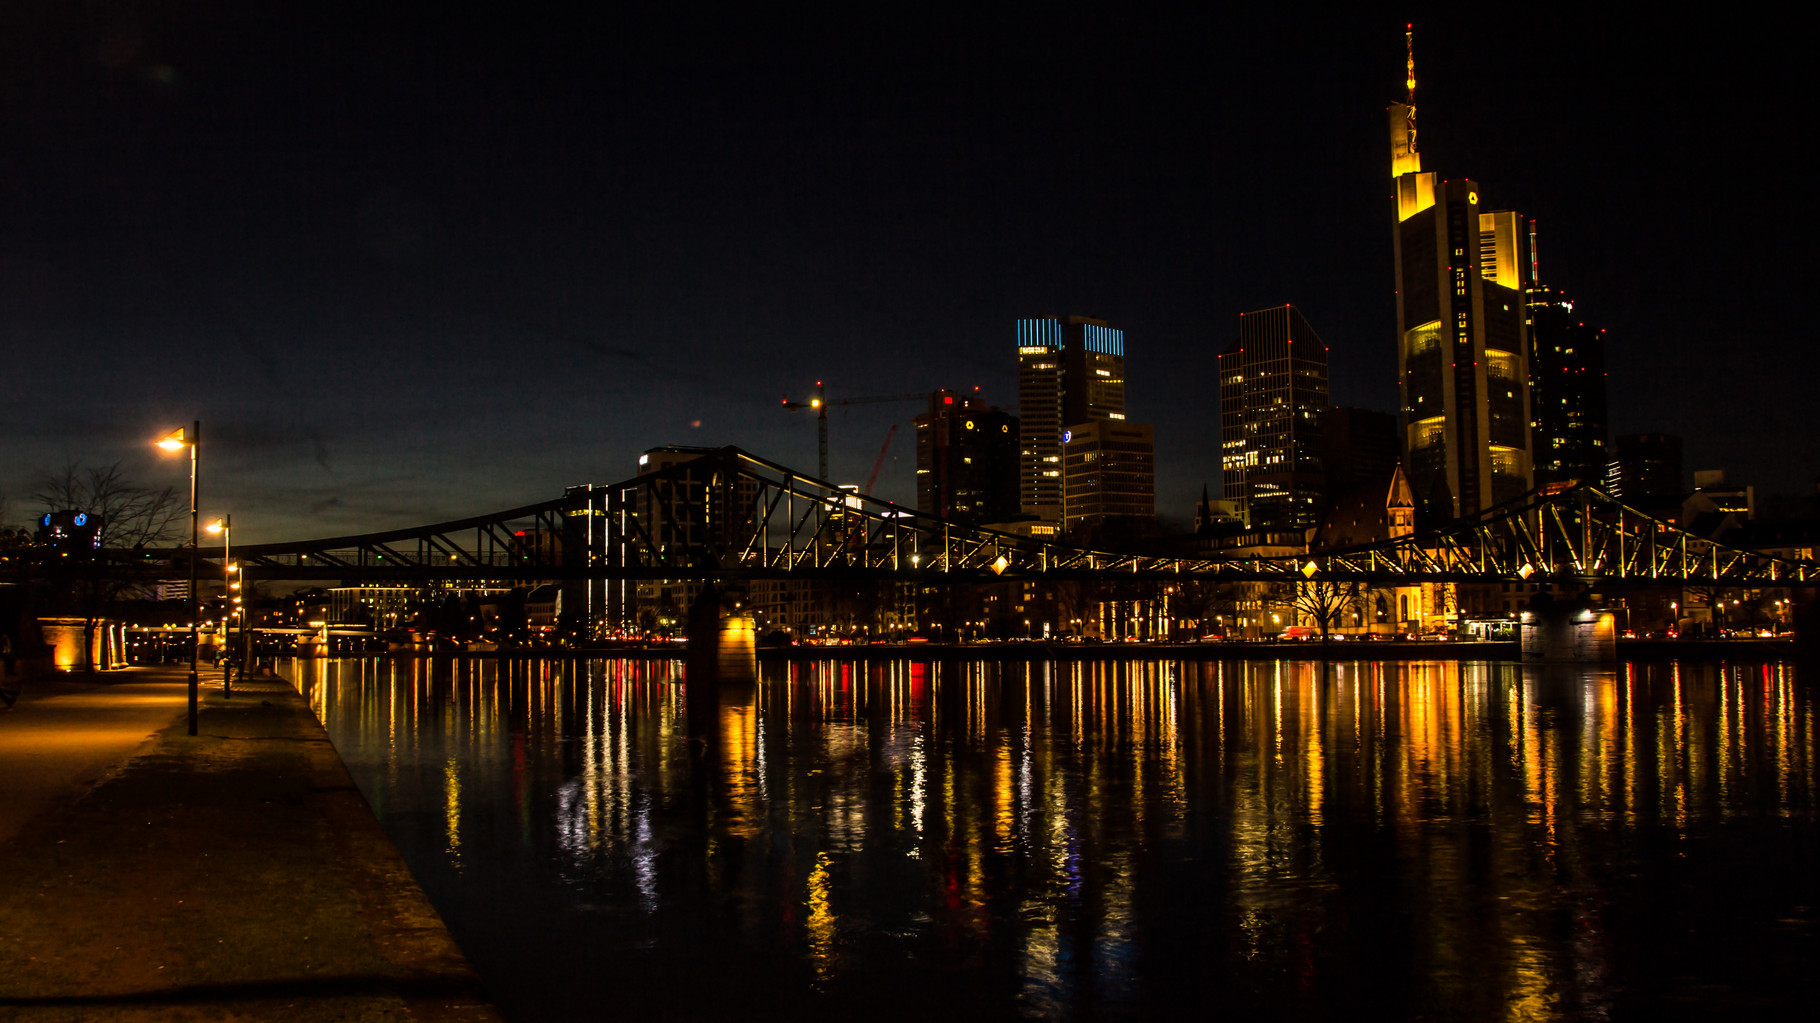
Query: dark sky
(410, 268)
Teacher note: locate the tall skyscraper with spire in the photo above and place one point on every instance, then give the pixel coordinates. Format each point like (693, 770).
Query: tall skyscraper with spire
(1462, 333)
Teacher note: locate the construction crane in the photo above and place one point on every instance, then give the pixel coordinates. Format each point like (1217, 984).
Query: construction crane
(879, 462)
(819, 404)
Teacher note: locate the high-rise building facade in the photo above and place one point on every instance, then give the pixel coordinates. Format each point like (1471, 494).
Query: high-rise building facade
(1567, 387)
(1108, 472)
(1724, 496)
(966, 460)
(1462, 336)
(1071, 371)
(1273, 397)
(1358, 446)
(1646, 465)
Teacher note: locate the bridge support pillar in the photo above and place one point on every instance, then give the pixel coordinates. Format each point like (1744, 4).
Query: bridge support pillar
(1569, 631)
(1807, 628)
(723, 644)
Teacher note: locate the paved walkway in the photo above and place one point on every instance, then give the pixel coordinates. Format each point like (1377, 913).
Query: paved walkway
(64, 736)
(236, 875)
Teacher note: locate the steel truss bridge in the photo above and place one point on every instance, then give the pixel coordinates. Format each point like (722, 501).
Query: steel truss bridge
(729, 515)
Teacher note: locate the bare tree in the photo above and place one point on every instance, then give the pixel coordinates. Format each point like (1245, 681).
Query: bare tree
(1324, 602)
(10, 539)
(132, 516)
(1206, 601)
(1077, 604)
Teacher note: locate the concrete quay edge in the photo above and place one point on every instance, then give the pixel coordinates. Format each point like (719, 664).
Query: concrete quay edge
(236, 875)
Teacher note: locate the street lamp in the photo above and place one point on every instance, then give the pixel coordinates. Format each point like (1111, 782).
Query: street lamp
(173, 442)
(225, 526)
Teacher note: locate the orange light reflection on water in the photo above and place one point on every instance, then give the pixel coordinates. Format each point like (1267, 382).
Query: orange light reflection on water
(1031, 806)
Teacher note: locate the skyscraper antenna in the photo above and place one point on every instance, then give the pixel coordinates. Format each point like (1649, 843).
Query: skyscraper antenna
(1409, 108)
(1409, 42)
(1535, 271)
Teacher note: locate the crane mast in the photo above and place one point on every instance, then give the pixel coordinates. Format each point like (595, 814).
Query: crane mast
(819, 404)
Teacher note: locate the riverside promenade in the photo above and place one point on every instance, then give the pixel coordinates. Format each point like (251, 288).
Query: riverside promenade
(235, 875)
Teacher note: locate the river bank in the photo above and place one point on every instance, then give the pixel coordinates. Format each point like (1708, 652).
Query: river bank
(1653, 650)
(236, 874)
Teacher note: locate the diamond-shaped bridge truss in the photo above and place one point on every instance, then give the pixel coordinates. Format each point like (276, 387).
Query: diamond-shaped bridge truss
(730, 515)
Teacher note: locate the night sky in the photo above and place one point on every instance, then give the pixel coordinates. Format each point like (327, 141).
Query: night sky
(413, 268)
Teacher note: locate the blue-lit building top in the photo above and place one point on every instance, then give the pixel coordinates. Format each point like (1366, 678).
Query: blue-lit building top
(1103, 339)
(1052, 332)
(1071, 371)
(1041, 332)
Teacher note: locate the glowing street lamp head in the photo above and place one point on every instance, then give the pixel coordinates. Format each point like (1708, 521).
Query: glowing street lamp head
(174, 441)
(216, 526)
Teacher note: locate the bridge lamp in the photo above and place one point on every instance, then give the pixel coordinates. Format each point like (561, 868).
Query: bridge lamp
(173, 442)
(1526, 571)
(1309, 570)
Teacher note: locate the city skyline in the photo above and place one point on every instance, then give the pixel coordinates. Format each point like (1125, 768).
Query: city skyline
(405, 274)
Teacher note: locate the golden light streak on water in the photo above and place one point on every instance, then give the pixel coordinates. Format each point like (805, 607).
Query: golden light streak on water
(738, 748)
(1531, 996)
(819, 925)
(1314, 754)
(451, 813)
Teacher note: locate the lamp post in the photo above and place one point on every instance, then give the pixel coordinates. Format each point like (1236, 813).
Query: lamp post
(177, 440)
(225, 526)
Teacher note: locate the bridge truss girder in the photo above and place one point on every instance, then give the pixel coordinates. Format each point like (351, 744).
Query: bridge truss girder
(731, 515)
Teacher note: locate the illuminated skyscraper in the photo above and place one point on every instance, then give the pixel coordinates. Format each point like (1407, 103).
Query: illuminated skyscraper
(1071, 371)
(1273, 393)
(1462, 335)
(966, 460)
(1108, 472)
(1566, 386)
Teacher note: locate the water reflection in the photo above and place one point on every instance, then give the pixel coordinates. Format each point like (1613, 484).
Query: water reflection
(1476, 841)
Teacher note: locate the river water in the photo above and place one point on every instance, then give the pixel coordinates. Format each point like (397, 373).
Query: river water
(1257, 840)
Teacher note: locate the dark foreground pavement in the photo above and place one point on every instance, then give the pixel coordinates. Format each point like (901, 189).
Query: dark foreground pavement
(237, 875)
